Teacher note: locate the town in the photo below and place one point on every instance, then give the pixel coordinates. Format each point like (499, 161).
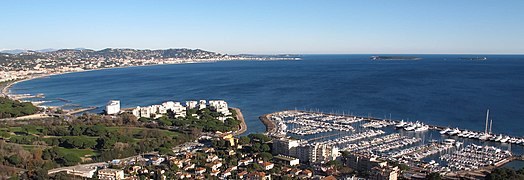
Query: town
(29, 64)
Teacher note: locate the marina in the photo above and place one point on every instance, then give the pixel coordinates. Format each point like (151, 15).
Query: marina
(431, 148)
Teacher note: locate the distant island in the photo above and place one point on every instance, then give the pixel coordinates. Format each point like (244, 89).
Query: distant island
(395, 58)
(474, 58)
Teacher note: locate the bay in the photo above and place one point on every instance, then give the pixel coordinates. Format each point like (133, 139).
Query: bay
(440, 89)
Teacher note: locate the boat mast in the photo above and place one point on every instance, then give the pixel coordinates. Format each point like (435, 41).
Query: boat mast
(490, 125)
(487, 116)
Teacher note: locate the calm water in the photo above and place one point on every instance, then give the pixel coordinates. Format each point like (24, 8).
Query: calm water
(440, 90)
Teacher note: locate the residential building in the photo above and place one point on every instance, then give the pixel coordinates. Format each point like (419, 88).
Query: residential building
(201, 104)
(110, 174)
(286, 160)
(113, 107)
(285, 146)
(191, 104)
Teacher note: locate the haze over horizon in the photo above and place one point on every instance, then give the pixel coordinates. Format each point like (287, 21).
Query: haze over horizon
(269, 27)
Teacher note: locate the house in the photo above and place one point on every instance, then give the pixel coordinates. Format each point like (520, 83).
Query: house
(214, 172)
(286, 160)
(201, 176)
(189, 167)
(307, 173)
(211, 158)
(245, 162)
(267, 165)
(258, 176)
(110, 174)
(156, 160)
(226, 173)
(242, 175)
(295, 171)
(200, 170)
(184, 176)
(135, 169)
(330, 178)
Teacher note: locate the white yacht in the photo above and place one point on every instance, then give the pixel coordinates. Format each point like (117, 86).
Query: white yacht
(454, 131)
(401, 124)
(445, 131)
(422, 128)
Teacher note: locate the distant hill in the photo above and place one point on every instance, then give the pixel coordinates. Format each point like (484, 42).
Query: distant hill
(80, 53)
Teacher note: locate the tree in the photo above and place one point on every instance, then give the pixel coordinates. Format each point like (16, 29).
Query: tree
(266, 156)
(14, 160)
(265, 148)
(70, 160)
(244, 140)
(433, 176)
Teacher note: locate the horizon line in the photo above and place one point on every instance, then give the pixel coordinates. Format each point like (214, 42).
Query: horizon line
(337, 53)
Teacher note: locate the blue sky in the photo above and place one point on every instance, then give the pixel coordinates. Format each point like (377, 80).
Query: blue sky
(268, 26)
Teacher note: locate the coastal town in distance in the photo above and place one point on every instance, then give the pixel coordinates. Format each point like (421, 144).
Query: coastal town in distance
(262, 90)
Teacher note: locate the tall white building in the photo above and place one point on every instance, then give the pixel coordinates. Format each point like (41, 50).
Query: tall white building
(285, 146)
(191, 104)
(219, 106)
(113, 107)
(202, 104)
(317, 153)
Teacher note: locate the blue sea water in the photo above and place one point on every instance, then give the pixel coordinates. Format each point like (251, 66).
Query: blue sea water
(440, 89)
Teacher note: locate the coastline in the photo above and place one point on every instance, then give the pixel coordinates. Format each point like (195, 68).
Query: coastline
(6, 89)
(243, 125)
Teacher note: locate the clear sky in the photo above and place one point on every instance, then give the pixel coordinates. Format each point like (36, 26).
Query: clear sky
(268, 26)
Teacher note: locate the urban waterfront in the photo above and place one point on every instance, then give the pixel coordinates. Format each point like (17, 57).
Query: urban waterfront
(440, 89)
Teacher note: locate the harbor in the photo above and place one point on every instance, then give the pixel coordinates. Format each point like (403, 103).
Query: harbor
(427, 147)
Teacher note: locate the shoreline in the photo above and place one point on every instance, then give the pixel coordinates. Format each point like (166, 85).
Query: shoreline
(7, 93)
(243, 125)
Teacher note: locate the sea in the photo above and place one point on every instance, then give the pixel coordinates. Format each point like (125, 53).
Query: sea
(442, 90)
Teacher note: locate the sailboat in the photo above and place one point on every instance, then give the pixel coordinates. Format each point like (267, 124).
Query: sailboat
(486, 135)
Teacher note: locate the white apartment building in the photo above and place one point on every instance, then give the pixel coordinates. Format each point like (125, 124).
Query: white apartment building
(317, 153)
(285, 146)
(201, 104)
(110, 174)
(113, 107)
(219, 106)
(191, 104)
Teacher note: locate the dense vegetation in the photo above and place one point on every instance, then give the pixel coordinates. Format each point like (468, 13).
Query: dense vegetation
(52, 143)
(43, 145)
(205, 119)
(506, 173)
(11, 108)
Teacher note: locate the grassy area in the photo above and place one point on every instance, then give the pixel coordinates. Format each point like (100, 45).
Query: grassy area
(78, 152)
(139, 130)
